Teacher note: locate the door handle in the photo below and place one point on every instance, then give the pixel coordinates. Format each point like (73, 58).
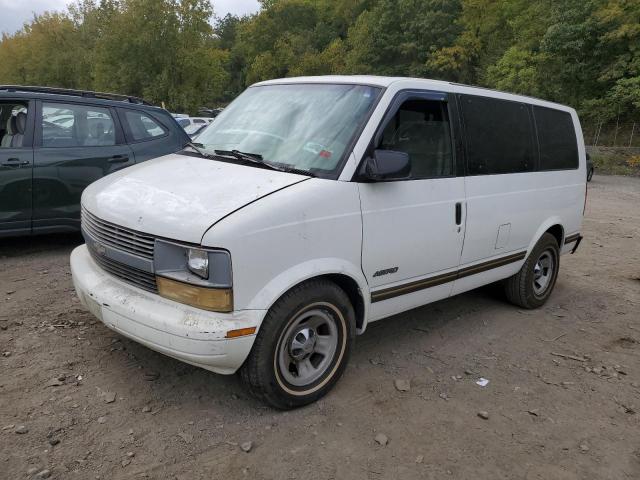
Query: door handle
(458, 213)
(14, 162)
(119, 159)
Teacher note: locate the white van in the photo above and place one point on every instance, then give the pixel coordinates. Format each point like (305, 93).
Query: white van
(314, 206)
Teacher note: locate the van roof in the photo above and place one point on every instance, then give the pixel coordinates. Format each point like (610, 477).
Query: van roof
(380, 81)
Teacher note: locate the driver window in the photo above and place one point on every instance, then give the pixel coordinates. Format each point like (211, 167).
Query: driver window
(420, 128)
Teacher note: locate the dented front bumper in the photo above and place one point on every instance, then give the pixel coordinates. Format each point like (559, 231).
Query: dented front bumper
(186, 333)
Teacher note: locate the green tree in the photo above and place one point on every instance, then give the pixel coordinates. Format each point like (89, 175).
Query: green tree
(585, 53)
(619, 68)
(398, 37)
(42, 53)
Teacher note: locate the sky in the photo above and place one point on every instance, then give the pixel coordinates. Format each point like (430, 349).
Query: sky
(16, 12)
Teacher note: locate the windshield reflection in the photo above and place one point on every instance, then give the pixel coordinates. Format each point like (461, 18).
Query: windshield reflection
(307, 127)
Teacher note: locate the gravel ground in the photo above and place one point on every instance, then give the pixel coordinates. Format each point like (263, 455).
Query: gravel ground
(78, 401)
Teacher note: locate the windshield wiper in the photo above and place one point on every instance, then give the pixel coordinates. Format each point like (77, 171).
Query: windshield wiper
(249, 157)
(258, 159)
(198, 148)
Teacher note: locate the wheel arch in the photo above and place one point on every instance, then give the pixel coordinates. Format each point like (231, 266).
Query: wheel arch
(558, 232)
(553, 226)
(354, 292)
(347, 276)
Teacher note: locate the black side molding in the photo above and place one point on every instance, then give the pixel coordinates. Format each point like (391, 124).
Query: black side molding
(575, 247)
(425, 283)
(572, 238)
(576, 237)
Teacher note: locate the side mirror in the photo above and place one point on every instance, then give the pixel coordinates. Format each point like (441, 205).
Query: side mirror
(387, 165)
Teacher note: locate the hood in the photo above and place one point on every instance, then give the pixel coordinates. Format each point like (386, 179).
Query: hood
(180, 196)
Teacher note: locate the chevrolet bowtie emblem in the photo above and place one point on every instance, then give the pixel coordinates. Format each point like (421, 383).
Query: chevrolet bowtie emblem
(99, 248)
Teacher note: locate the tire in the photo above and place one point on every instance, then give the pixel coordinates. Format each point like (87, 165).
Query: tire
(530, 287)
(590, 174)
(288, 366)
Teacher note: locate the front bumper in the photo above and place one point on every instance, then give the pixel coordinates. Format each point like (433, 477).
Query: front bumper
(186, 333)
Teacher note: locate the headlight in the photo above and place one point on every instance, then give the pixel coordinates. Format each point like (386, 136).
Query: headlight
(198, 262)
(198, 277)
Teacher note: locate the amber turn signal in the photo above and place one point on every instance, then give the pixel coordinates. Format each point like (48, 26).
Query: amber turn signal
(241, 332)
(214, 299)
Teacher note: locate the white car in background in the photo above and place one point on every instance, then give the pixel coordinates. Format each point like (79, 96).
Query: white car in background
(315, 206)
(192, 122)
(195, 129)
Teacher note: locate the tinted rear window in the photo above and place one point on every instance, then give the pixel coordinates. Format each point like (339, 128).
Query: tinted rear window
(142, 127)
(499, 136)
(557, 139)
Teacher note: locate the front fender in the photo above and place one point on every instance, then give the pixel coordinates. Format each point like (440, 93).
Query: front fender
(280, 284)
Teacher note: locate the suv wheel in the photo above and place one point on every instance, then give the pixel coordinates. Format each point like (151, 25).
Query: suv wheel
(533, 284)
(302, 347)
(590, 174)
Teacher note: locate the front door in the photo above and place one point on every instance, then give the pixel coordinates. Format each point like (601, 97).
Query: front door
(413, 229)
(76, 145)
(16, 162)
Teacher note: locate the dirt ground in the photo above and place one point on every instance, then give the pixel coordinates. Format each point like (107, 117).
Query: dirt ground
(549, 416)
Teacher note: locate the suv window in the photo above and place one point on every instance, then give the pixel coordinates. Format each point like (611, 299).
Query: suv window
(68, 125)
(499, 136)
(420, 128)
(142, 126)
(13, 124)
(557, 139)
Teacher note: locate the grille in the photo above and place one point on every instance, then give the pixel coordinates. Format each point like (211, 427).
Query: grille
(144, 280)
(124, 239)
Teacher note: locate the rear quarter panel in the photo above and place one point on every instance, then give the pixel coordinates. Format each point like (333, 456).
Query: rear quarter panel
(531, 202)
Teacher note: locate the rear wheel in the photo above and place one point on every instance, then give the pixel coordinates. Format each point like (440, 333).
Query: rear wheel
(533, 284)
(302, 347)
(590, 174)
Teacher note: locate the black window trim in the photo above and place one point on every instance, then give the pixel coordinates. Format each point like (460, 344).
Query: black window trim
(465, 142)
(38, 140)
(127, 131)
(575, 136)
(396, 102)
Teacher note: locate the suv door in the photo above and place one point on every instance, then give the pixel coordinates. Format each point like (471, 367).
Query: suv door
(151, 134)
(413, 229)
(76, 144)
(16, 162)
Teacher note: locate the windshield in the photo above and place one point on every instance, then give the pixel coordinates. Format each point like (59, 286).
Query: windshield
(302, 126)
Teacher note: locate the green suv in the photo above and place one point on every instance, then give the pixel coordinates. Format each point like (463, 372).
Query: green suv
(55, 142)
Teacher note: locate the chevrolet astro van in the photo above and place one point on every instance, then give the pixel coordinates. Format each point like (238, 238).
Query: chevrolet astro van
(314, 206)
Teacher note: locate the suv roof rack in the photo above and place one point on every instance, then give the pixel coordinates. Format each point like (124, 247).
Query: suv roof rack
(74, 92)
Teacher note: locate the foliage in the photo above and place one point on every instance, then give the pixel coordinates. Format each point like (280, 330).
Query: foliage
(616, 161)
(585, 53)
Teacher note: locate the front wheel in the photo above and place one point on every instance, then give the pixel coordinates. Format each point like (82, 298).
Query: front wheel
(302, 347)
(533, 284)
